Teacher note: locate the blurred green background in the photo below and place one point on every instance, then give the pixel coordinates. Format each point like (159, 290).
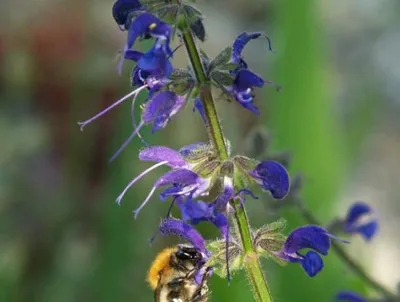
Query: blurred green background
(62, 237)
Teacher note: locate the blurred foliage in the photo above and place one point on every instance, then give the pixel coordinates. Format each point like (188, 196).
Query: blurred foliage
(63, 238)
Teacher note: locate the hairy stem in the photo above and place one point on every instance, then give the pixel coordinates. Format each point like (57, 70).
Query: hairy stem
(214, 127)
(253, 265)
(354, 266)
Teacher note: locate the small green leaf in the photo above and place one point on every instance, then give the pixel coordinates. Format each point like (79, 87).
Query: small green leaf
(200, 152)
(219, 257)
(192, 13)
(180, 73)
(222, 78)
(199, 30)
(273, 227)
(229, 67)
(268, 240)
(181, 87)
(182, 81)
(240, 179)
(153, 5)
(204, 59)
(168, 13)
(207, 168)
(245, 163)
(221, 59)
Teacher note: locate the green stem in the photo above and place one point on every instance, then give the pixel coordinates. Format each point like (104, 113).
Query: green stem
(214, 127)
(354, 266)
(252, 263)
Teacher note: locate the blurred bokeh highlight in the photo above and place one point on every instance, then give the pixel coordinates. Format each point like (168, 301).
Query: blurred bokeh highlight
(62, 237)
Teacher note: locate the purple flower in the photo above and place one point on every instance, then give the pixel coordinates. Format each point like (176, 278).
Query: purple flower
(152, 68)
(196, 211)
(173, 226)
(200, 108)
(355, 223)
(273, 177)
(348, 296)
(239, 44)
(122, 12)
(182, 180)
(245, 80)
(161, 108)
(307, 237)
(242, 88)
(147, 25)
(158, 111)
(151, 72)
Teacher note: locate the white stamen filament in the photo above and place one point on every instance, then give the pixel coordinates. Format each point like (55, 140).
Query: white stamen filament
(136, 212)
(188, 190)
(118, 200)
(133, 93)
(134, 123)
(127, 141)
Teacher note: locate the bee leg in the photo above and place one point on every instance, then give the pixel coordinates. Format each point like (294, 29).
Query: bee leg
(202, 290)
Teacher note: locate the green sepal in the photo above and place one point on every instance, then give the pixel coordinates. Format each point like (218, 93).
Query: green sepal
(182, 81)
(204, 59)
(151, 3)
(222, 78)
(201, 153)
(245, 163)
(229, 67)
(191, 13)
(168, 13)
(154, 6)
(269, 240)
(180, 74)
(219, 257)
(240, 179)
(221, 59)
(207, 168)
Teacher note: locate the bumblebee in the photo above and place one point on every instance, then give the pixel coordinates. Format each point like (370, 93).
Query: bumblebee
(172, 275)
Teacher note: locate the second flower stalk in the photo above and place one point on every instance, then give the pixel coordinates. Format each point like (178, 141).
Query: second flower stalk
(253, 266)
